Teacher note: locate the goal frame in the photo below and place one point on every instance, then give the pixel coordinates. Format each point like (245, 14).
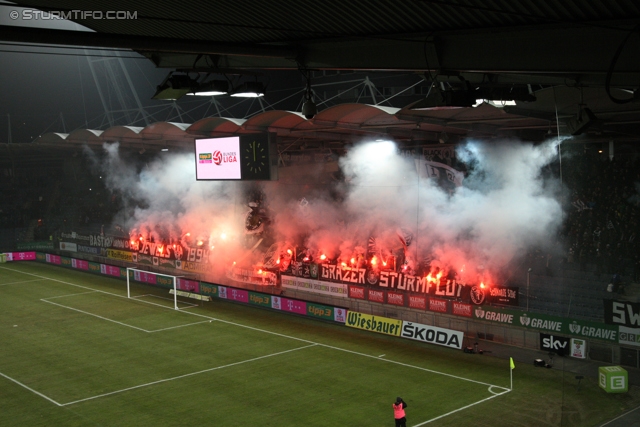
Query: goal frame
(174, 279)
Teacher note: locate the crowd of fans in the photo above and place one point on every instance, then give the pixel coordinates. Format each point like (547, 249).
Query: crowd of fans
(600, 230)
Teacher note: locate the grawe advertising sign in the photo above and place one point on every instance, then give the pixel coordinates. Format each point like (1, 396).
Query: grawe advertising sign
(563, 325)
(629, 336)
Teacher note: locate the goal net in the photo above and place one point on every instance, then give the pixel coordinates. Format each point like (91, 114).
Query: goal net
(160, 280)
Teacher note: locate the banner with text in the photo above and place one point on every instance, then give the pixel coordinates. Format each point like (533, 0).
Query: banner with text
(623, 313)
(368, 322)
(545, 322)
(432, 334)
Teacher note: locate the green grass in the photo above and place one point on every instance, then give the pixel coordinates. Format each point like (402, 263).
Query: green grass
(75, 352)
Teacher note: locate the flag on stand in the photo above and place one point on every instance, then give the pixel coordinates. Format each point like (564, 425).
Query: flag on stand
(513, 365)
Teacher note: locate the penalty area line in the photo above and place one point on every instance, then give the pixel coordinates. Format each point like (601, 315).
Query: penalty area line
(188, 375)
(95, 315)
(180, 326)
(461, 409)
(23, 281)
(31, 390)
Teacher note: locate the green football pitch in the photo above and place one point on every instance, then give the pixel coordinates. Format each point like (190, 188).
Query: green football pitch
(76, 352)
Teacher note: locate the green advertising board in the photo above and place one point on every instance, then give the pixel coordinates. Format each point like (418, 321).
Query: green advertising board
(26, 246)
(41, 257)
(164, 281)
(262, 300)
(208, 289)
(320, 311)
(65, 261)
(94, 267)
(544, 322)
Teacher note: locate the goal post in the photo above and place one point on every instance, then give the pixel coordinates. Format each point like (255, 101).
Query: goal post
(142, 276)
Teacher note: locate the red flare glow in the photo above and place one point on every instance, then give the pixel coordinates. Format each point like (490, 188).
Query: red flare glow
(344, 264)
(306, 258)
(482, 285)
(278, 261)
(289, 251)
(353, 260)
(323, 257)
(260, 271)
(160, 249)
(374, 261)
(188, 234)
(199, 243)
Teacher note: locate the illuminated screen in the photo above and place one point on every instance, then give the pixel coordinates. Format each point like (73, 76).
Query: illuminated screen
(218, 158)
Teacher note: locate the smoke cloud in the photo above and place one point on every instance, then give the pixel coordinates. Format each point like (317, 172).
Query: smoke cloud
(381, 208)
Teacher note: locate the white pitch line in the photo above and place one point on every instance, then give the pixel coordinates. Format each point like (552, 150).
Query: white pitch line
(71, 295)
(24, 281)
(271, 333)
(95, 315)
(412, 366)
(187, 375)
(181, 326)
(623, 415)
(297, 339)
(461, 409)
(30, 389)
(115, 321)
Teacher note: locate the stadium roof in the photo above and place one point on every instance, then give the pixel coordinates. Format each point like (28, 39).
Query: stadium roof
(569, 54)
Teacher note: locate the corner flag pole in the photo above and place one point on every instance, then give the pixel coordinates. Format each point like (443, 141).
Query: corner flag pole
(512, 367)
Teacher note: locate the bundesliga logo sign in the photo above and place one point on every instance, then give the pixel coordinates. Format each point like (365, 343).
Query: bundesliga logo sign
(219, 158)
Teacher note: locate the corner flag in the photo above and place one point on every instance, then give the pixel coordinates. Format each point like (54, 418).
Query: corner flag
(513, 365)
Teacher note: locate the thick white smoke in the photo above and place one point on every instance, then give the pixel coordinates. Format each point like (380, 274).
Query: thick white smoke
(503, 207)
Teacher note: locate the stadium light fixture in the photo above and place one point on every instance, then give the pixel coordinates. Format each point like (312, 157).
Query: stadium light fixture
(581, 121)
(212, 88)
(248, 90)
(174, 87)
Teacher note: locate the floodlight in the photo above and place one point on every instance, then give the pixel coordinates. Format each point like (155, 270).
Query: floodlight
(309, 109)
(249, 90)
(581, 121)
(212, 88)
(174, 87)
